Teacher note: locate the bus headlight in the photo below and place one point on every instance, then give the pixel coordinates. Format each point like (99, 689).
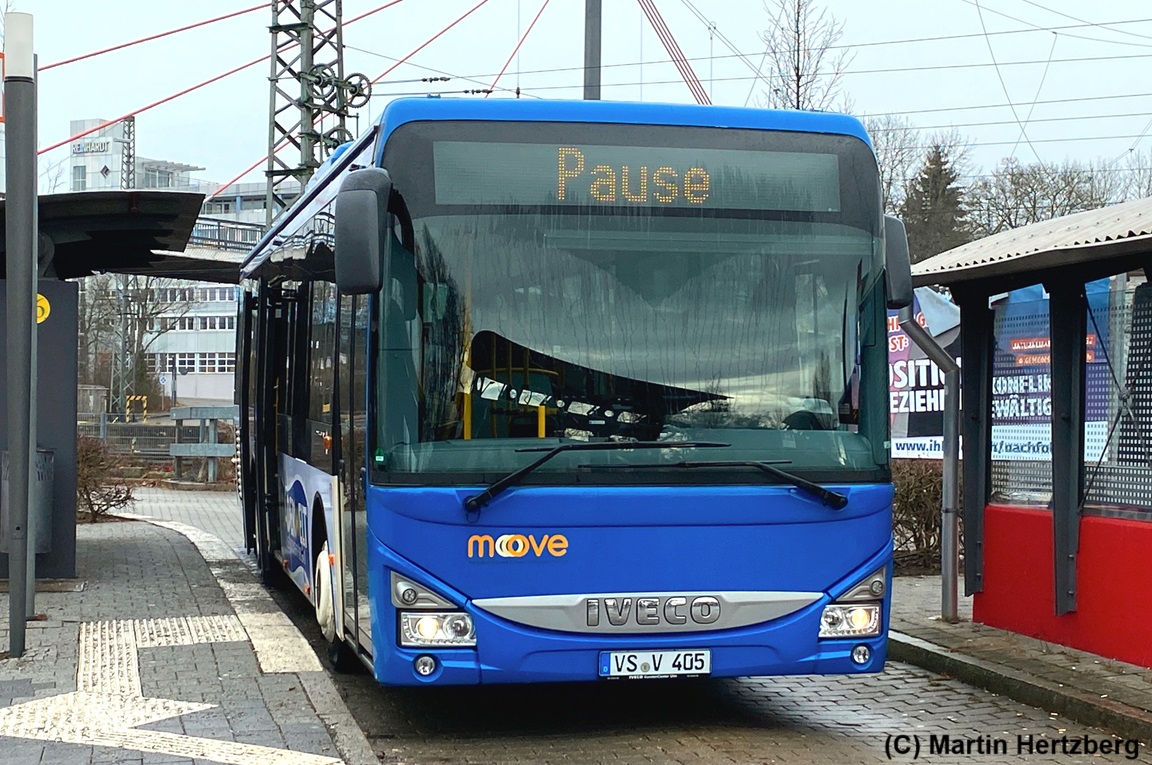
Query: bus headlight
(850, 620)
(421, 629)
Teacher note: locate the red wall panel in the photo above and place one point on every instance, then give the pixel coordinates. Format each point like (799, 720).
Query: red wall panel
(1114, 572)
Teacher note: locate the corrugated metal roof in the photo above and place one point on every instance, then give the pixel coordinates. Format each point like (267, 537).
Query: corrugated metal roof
(1110, 232)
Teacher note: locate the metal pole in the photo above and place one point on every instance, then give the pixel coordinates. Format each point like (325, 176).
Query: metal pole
(35, 485)
(20, 244)
(949, 522)
(591, 50)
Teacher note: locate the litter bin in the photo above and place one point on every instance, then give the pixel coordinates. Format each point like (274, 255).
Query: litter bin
(41, 500)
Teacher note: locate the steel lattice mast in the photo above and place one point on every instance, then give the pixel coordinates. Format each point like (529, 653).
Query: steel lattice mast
(309, 96)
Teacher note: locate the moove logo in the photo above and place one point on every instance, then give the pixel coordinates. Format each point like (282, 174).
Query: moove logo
(517, 546)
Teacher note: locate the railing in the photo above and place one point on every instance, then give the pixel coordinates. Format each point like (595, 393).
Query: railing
(225, 234)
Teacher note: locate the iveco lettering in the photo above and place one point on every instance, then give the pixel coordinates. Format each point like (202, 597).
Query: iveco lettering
(549, 391)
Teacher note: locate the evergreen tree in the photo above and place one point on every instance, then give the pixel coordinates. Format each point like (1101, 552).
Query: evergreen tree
(933, 209)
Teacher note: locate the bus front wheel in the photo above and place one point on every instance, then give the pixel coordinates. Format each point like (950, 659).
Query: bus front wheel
(340, 656)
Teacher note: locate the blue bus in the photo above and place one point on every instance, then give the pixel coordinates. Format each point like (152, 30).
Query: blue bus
(559, 391)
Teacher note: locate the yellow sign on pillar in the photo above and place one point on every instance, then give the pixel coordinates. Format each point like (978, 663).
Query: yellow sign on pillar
(43, 308)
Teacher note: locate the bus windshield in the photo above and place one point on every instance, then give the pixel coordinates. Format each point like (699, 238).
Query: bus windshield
(515, 326)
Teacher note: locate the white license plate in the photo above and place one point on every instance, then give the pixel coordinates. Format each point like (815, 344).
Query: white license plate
(644, 664)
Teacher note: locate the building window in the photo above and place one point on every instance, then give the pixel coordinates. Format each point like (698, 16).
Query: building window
(156, 179)
(79, 178)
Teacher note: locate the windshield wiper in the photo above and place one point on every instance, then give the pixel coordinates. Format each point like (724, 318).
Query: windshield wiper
(474, 503)
(832, 499)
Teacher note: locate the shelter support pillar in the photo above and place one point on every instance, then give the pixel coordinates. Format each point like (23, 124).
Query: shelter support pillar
(977, 339)
(1068, 333)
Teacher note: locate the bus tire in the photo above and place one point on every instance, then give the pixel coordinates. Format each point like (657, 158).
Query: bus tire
(340, 657)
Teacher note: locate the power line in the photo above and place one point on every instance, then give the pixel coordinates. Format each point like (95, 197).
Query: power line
(516, 50)
(416, 50)
(998, 123)
(1085, 21)
(942, 67)
(1003, 85)
(1039, 88)
(209, 81)
(152, 37)
(712, 28)
(1078, 37)
(1001, 106)
(678, 58)
(887, 70)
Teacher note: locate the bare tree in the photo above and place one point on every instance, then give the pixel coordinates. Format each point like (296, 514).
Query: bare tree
(120, 320)
(807, 65)
(897, 145)
(1017, 194)
(1137, 176)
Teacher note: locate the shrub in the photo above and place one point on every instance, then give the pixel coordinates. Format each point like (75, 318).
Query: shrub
(99, 488)
(916, 514)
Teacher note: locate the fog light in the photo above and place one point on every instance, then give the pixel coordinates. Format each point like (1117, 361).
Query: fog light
(861, 654)
(426, 665)
(876, 587)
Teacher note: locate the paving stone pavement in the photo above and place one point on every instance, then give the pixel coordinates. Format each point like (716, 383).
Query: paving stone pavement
(152, 596)
(1081, 685)
(172, 653)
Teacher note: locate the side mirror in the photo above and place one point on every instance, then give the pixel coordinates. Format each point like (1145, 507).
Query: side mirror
(897, 264)
(362, 231)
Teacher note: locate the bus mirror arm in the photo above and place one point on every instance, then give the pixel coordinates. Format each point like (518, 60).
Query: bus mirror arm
(362, 234)
(897, 264)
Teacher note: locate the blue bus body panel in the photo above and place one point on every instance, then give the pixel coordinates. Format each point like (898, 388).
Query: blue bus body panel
(627, 540)
(405, 110)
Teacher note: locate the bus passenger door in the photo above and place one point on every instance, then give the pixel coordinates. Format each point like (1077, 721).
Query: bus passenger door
(246, 381)
(351, 376)
(268, 373)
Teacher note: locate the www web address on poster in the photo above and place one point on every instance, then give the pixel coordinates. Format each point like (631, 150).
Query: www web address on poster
(1008, 443)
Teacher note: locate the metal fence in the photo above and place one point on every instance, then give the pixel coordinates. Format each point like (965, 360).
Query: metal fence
(138, 441)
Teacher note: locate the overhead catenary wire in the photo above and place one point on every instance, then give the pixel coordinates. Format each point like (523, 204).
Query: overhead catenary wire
(516, 50)
(1039, 88)
(429, 41)
(1085, 21)
(1078, 37)
(713, 29)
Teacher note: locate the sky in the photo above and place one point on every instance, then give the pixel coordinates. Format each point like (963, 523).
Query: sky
(1034, 79)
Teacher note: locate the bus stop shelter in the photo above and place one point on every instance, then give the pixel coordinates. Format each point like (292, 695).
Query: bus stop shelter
(80, 234)
(1057, 427)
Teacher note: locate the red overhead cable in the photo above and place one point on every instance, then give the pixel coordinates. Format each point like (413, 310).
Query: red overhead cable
(285, 142)
(186, 91)
(153, 37)
(154, 104)
(674, 52)
(516, 49)
(429, 41)
(366, 14)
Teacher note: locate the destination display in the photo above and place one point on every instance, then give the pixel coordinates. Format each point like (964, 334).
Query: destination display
(488, 173)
